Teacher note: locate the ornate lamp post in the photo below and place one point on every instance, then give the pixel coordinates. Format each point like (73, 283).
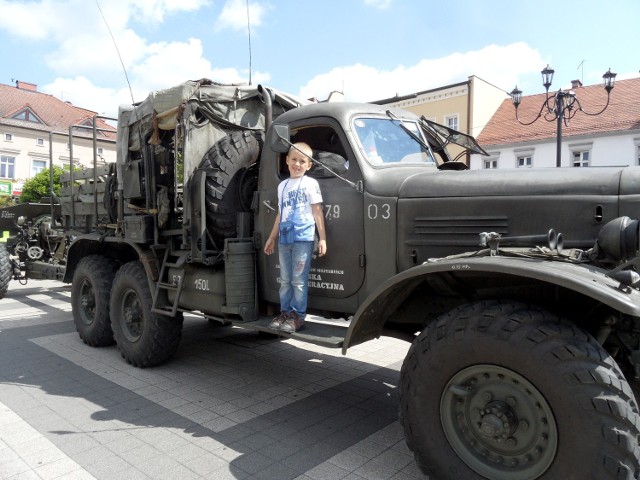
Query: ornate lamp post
(560, 106)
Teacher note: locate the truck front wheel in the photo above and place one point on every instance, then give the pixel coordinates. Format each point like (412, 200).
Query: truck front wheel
(90, 289)
(145, 339)
(506, 391)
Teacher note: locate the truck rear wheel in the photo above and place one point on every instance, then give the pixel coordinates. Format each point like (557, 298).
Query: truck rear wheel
(145, 339)
(507, 391)
(229, 189)
(6, 270)
(90, 289)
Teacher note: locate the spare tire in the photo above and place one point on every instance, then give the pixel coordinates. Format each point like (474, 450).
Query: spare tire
(232, 178)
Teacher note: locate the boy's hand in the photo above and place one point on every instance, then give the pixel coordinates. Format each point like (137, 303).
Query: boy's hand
(269, 246)
(322, 247)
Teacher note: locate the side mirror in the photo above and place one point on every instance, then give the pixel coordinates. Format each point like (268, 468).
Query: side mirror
(279, 138)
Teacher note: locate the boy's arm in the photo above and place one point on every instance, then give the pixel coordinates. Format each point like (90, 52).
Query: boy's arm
(318, 216)
(269, 245)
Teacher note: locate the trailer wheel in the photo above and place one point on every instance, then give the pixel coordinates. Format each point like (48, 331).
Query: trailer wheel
(6, 270)
(145, 339)
(231, 183)
(507, 391)
(90, 289)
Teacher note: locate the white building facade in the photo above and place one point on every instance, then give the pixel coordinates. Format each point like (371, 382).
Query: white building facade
(34, 132)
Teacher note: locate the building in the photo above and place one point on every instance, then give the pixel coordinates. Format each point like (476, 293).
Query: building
(611, 138)
(34, 130)
(465, 106)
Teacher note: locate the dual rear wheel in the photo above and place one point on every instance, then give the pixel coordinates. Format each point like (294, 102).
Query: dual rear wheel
(113, 305)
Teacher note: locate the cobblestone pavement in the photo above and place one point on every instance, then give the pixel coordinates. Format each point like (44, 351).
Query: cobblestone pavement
(231, 404)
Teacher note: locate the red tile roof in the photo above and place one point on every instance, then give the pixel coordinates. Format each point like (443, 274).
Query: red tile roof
(623, 114)
(57, 115)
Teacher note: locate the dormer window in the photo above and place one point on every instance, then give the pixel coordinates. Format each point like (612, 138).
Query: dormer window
(27, 115)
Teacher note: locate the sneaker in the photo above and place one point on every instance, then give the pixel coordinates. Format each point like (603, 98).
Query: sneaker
(277, 322)
(293, 323)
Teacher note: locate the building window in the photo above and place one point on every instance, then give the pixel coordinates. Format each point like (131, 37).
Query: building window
(491, 163)
(8, 137)
(100, 150)
(638, 155)
(27, 115)
(7, 166)
(37, 166)
(40, 142)
(451, 121)
(581, 158)
(524, 161)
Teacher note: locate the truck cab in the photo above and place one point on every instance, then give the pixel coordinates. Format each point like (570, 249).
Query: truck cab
(364, 154)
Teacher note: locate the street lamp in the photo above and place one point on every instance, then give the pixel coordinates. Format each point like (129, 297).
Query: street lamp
(561, 105)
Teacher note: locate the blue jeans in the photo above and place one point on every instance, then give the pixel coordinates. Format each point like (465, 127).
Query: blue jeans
(295, 262)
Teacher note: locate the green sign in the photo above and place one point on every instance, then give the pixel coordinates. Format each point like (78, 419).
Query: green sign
(5, 188)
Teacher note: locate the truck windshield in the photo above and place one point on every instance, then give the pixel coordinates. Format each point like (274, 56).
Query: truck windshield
(385, 141)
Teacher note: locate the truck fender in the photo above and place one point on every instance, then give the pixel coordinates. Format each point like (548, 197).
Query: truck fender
(368, 322)
(94, 243)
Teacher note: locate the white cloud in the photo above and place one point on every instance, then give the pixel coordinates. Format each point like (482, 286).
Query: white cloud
(155, 10)
(379, 4)
(165, 64)
(81, 92)
(234, 15)
(499, 65)
(57, 19)
(31, 20)
(87, 60)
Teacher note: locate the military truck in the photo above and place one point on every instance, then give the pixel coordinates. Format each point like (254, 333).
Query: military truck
(518, 289)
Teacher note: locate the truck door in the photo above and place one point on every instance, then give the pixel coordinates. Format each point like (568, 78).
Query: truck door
(340, 273)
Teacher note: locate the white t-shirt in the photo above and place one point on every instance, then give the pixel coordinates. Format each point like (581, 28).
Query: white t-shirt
(295, 197)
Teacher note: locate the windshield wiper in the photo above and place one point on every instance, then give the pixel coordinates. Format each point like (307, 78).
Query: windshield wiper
(408, 130)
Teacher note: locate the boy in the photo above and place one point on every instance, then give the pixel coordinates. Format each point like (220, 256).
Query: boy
(300, 202)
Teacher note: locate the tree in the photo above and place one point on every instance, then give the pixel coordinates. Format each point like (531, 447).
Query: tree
(7, 201)
(38, 186)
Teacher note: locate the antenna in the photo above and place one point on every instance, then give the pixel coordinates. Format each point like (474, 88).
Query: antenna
(582, 72)
(249, 31)
(117, 51)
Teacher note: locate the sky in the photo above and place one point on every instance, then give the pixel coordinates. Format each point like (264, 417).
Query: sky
(98, 54)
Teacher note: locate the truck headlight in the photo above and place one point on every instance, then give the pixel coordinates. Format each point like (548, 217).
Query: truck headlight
(618, 239)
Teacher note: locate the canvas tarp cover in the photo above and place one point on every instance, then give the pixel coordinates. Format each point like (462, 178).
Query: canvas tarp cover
(207, 110)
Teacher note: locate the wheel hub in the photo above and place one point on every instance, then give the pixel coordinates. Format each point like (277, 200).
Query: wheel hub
(87, 302)
(132, 315)
(498, 423)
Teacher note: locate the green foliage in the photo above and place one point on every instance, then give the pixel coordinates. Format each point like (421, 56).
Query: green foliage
(7, 201)
(38, 186)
